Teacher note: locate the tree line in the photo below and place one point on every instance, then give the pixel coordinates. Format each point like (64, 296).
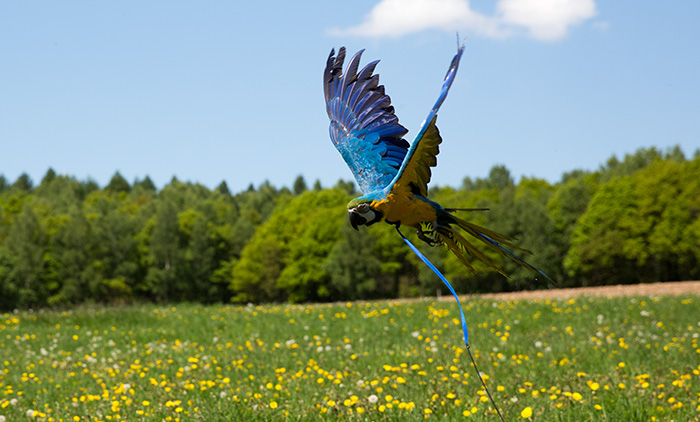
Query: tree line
(66, 241)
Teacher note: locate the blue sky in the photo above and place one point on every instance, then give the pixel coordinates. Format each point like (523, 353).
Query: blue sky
(232, 90)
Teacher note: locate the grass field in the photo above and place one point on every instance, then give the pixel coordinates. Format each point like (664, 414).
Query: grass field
(614, 359)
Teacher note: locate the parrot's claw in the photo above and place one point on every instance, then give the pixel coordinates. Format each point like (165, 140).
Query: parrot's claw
(428, 236)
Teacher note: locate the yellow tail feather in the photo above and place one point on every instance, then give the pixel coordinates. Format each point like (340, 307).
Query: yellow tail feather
(459, 245)
(474, 229)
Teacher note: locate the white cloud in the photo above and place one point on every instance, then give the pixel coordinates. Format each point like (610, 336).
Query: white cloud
(545, 19)
(541, 19)
(395, 18)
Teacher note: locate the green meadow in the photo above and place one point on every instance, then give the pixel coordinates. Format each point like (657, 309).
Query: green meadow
(613, 359)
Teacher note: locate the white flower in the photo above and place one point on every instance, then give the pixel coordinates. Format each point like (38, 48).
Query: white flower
(2, 418)
(30, 413)
(319, 349)
(13, 402)
(222, 394)
(372, 399)
(644, 313)
(538, 344)
(415, 334)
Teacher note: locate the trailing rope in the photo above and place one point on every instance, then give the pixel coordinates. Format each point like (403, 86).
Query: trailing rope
(461, 314)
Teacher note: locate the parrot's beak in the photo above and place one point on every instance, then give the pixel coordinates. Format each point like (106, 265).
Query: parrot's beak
(356, 219)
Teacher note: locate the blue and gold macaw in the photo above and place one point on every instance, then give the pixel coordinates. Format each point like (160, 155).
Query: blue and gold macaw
(392, 175)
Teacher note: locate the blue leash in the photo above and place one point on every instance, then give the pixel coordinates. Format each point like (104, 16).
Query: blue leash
(444, 280)
(461, 313)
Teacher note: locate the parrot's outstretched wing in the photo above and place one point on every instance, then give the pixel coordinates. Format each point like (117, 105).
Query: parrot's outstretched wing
(414, 173)
(364, 128)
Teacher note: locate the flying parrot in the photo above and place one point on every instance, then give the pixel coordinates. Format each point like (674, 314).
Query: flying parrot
(393, 175)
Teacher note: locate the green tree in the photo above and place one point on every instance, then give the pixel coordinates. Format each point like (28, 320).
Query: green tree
(639, 228)
(118, 184)
(114, 224)
(199, 256)
(8, 287)
(303, 277)
(568, 203)
(48, 177)
(223, 188)
(299, 186)
(165, 253)
(60, 193)
(352, 265)
(596, 255)
(4, 184)
(73, 247)
(631, 163)
(346, 186)
(499, 178)
(675, 153)
(145, 185)
(671, 193)
(284, 258)
(23, 183)
(23, 255)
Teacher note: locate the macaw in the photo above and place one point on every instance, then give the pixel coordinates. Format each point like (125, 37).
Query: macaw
(392, 175)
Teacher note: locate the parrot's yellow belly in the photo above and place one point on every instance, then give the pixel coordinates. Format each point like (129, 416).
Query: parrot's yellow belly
(409, 210)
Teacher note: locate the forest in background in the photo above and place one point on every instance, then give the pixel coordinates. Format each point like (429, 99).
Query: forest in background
(66, 241)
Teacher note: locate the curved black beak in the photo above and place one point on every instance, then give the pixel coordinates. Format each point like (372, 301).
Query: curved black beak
(356, 219)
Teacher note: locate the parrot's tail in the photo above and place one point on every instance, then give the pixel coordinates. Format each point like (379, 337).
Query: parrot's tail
(461, 247)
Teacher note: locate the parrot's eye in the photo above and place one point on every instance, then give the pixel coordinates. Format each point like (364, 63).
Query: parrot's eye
(363, 208)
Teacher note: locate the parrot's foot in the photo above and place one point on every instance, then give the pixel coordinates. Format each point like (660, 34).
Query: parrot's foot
(428, 236)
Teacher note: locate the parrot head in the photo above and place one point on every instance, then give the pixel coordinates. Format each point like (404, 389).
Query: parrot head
(362, 214)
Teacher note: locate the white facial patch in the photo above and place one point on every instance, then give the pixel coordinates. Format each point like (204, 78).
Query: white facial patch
(369, 215)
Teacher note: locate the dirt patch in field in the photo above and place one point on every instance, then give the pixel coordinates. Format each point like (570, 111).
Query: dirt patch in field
(650, 289)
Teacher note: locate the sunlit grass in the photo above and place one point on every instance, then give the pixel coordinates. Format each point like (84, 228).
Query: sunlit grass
(631, 359)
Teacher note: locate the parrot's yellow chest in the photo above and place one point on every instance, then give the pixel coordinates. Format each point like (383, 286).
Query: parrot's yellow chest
(409, 210)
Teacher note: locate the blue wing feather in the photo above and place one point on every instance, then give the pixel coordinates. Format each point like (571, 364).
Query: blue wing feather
(430, 121)
(363, 127)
